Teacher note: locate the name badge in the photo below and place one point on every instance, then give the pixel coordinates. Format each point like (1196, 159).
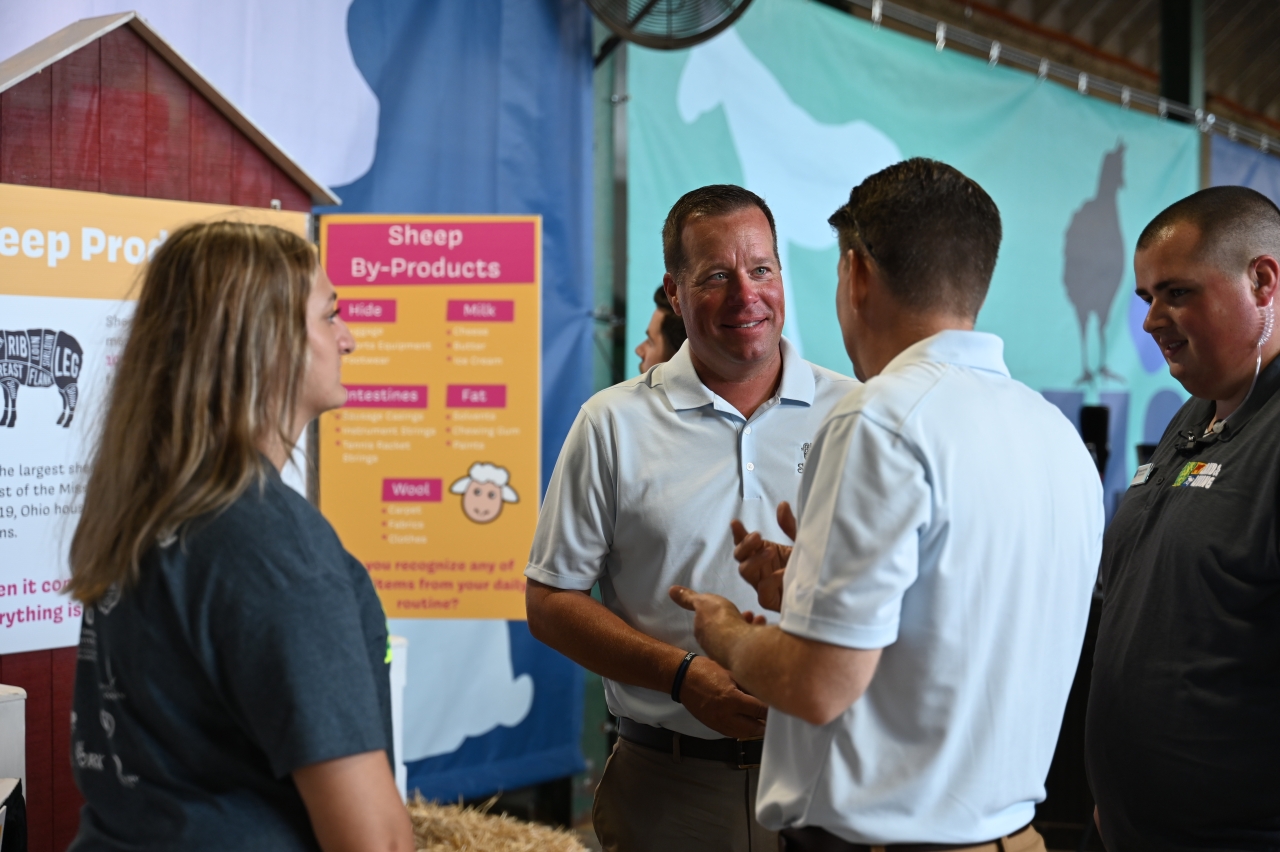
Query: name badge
(1143, 474)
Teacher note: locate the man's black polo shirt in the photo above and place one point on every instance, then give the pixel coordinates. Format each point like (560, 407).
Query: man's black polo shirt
(1183, 733)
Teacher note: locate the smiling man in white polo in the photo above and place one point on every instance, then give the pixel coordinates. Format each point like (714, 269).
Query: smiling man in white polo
(650, 476)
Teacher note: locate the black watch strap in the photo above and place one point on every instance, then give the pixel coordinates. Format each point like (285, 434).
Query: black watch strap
(680, 673)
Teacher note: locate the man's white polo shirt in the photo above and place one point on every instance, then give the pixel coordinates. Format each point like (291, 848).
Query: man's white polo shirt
(951, 516)
(651, 474)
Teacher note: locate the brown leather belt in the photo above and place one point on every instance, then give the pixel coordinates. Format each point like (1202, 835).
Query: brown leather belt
(745, 754)
(814, 839)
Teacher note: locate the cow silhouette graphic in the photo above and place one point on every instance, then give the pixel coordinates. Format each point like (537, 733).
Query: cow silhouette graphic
(39, 358)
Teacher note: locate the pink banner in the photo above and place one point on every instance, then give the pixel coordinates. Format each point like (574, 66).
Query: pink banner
(499, 310)
(476, 396)
(458, 252)
(367, 310)
(411, 490)
(386, 396)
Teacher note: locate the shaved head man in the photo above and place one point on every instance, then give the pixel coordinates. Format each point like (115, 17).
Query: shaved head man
(1182, 737)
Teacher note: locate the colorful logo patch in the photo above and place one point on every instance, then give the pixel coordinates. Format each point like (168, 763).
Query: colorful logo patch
(1197, 475)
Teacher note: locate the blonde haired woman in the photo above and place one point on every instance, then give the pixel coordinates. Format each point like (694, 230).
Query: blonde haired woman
(231, 689)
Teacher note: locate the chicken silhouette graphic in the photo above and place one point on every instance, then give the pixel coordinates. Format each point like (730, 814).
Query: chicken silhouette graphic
(1094, 262)
(804, 169)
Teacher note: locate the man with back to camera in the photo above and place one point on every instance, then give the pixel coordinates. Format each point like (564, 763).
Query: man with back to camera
(664, 336)
(1182, 738)
(950, 521)
(651, 474)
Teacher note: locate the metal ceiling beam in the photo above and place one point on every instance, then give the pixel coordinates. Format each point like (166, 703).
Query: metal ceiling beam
(1120, 19)
(1216, 14)
(1041, 8)
(1144, 27)
(1140, 33)
(1232, 62)
(1263, 96)
(1253, 82)
(1055, 9)
(1082, 15)
(1242, 12)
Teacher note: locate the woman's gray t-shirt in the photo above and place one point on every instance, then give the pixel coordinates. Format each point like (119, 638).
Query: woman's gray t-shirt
(251, 647)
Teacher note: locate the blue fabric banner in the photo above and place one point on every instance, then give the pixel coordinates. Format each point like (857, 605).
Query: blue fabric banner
(800, 102)
(1233, 164)
(485, 107)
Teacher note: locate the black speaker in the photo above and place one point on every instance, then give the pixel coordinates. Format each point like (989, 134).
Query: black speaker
(1095, 428)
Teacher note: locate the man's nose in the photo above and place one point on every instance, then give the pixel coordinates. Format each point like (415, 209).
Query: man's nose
(1154, 318)
(743, 290)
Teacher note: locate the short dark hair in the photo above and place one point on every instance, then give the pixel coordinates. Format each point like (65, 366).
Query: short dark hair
(719, 199)
(932, 231)
(672, 326)
(1236, 225)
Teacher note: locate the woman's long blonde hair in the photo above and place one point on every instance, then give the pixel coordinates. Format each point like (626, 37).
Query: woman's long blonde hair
(211, 372)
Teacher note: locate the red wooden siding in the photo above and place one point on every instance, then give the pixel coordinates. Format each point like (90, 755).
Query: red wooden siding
(124, 110)
(53, 802)
(211, 140)
(112, 117)
(116, 117)
(67, 800)
(75, 112)
(26, 132)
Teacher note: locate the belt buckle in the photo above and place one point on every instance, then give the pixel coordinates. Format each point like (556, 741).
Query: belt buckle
(742, 752)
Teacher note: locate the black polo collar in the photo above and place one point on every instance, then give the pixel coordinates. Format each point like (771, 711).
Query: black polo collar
(1202, 410)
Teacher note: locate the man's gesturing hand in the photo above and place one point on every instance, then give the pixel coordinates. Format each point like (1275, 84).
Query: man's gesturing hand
(762, 563)
(709, 691)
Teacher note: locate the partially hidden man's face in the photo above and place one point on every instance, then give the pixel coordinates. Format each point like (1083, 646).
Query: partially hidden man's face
(482, 502)
(1205, 320)
(730, 294)
(653, 349)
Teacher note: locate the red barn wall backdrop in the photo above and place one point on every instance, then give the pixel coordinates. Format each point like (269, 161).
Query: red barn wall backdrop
(114, 116)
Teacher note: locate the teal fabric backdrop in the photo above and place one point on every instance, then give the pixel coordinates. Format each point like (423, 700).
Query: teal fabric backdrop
(800, 102)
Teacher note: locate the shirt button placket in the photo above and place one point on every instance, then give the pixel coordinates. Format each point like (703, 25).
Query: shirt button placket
(750, 488)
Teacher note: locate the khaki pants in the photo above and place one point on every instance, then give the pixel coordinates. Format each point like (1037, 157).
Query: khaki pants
(1028, 841)
(649, 801)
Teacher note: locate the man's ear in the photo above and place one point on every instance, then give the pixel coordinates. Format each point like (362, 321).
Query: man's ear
(860, 275)
(673, 296)
(1266, 276)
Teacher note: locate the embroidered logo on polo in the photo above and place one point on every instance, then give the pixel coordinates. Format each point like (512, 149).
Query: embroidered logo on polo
(1197, 475)
(804, 455)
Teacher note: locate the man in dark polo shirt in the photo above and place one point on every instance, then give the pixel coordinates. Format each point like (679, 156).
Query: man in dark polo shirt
(1183, 732)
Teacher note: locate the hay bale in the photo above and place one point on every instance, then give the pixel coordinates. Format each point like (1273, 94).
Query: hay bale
(454, 828)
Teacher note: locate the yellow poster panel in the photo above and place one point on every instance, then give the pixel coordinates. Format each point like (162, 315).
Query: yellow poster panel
(70, 262)
(430, 473)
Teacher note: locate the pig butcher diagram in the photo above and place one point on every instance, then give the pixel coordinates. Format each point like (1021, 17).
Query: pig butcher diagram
(39, 358)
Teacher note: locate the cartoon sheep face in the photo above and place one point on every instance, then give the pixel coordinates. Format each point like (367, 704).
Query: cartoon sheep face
(484, 489)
